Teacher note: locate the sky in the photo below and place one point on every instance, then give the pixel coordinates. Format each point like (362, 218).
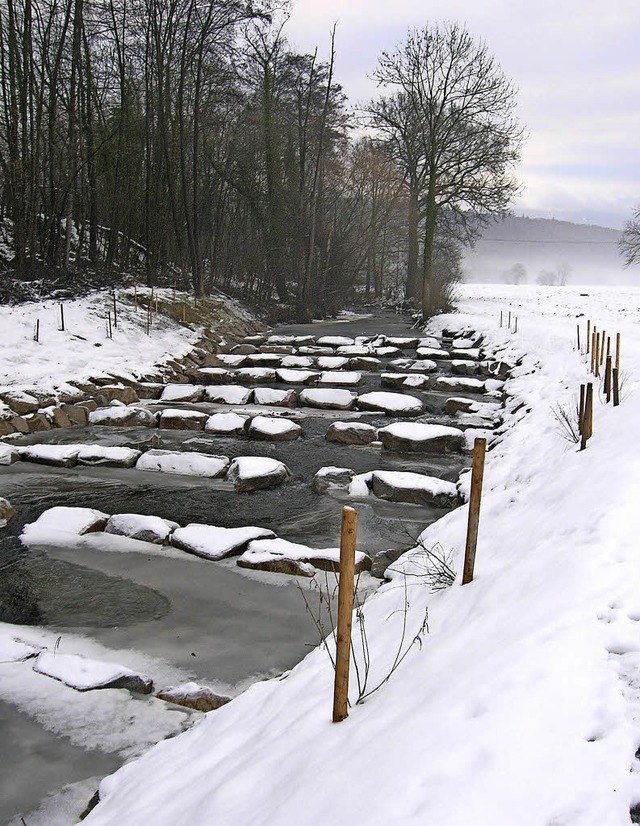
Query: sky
(577, 68)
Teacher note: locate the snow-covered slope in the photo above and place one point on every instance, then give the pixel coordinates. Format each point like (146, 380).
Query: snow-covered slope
(522, 705)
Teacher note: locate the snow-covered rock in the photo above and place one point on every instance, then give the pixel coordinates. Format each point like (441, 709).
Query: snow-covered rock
(249, 473)
(415, 381)
(182, 393)
(403, 486)
(422, 366)
(278, 398)
(6, 511)
(402, 342)
(8, 454)
(182, 419)
(264, 360)
(287, 376)
(331, 362)
(341, 377)
(331, 477)
(460, 383)
(296, 362)
(138, 526)
(256, 375)
(122, 417)
(211, 542)
(184, 464)
(14, 650)
(424, 438)
(104, 455)
(56, 455)
(390, 403)
(370, 363)
(192, 695)
(335, 341)
(351, 433)
(213, 376)
(327, 399)
(84, 674)
(228, 394)
(226, 424)
(69, 520)
(432, 353)
(273, 429)
(464, 367)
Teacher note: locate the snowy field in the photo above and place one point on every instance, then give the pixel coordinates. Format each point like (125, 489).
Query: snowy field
(522, 703)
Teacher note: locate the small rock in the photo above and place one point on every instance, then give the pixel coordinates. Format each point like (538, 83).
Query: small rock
(279, 565)
(331, 477)
(6, 511)
(191, 695)
(249, 473)
(20, 424)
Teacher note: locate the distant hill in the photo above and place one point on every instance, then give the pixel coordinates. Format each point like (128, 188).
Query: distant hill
(586, 254)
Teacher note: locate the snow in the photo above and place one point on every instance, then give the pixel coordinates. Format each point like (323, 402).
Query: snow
(225, 423)
(139, 526)
(405, 480)
(13, 650)
(340, 399)
(331, 362)
(72, 354)
(335, 341)
(419, 432)
(295, 376)
(273, 426)
(185, 464)
(341, 377)
(297, 361)
(474, 385)
(252, 467)
(520, 706)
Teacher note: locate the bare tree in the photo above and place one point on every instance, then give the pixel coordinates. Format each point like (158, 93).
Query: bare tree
(451, 110)
(630, 240)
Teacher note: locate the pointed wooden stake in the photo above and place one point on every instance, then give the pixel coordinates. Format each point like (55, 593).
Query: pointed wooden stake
(477, 475)
(345, 613)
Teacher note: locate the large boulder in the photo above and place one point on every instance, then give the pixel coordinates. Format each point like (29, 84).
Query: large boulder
(403, 486)
(249, 473)
(273, 429)
(182, 420)
(331, 477)
(328, 399)
(351, 433)
(182, 393)
(212, 542)
(390, 403)
(226, 424)
(184, 464)
(105, 456)
(122, 417)
(143, 528)
(415, 437)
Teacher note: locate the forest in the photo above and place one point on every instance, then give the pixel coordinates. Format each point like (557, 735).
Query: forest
(184, 142)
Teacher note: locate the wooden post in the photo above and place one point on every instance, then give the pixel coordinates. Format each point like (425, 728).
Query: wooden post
(36, 334)
(604, 335)
(509, 322)
(588, 334)
(109, 328)
(515, 326)
(477, 474)
(581, 408)
(174, 291)
(184, 313)
(578, 330)
(501, 318)
(616, 387)
(607, 379)
(587, 422)
(135, 297)
(115, 310)
(594, 337)
(596, 371)
(618, 352)
(345, 612)
(61, 317)
(156, 304)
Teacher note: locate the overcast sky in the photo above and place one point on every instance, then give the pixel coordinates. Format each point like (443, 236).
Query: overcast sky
(575, 62)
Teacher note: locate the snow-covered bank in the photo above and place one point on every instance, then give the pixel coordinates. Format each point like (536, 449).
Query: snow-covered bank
(520, 706)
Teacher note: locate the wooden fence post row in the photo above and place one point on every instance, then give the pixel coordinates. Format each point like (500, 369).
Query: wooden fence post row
(345, 612)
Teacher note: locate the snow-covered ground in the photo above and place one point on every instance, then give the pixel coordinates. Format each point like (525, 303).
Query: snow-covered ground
(521, 705)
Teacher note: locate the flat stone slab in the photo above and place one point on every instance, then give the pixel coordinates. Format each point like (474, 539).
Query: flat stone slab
(226, 424)
(335, 341)
(183, 464)
(296, 362)
(192, 695)
(231, 359)
(141, 527)
(214, 375)
(182, 393)
(351, 433)
(402, 342)
(470, 353)
(433, 353)
(264, 360)
(403, 486)
(464, 367)
(228, 394)
(416, 437)
(85, 675)
(273, 429)
(368, 363)
(278, 398)
(211, 542)
(422, 366)
(77, 521)
(415, 381)
(105, 456)
(249, 473)
(390, 403)
(349, 378)
(327, 399)
(122, 417)
(182, 420)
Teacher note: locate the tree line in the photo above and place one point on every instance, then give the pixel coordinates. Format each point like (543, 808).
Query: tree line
(186, 141)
